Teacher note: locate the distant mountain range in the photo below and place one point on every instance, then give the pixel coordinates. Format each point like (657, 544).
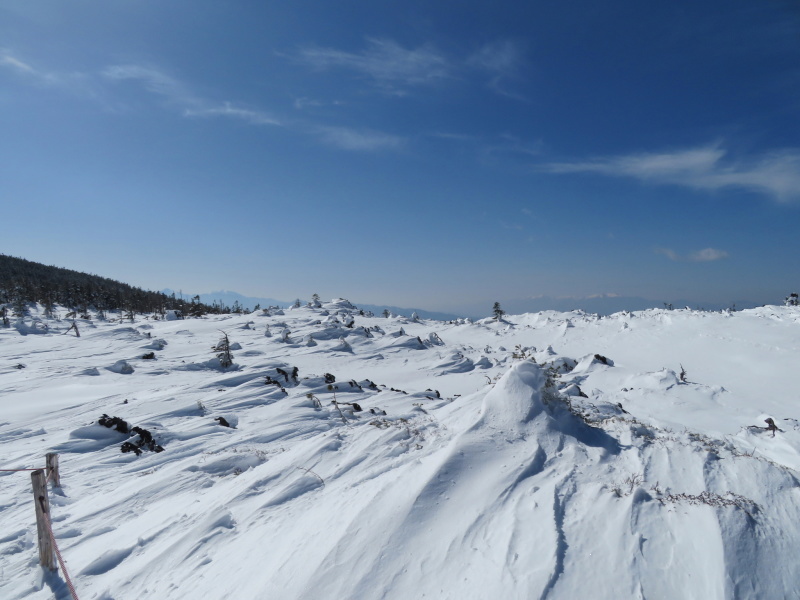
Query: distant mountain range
(424, 314)
(600, 304)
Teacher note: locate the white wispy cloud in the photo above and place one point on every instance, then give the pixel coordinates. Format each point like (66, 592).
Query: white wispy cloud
(704, 255)
(502, 57)
(175, 92)
(73, 82)
(707, 255)
(390, 66)
(303, 102)
(503, 61)
(776, 174)
(393, 68)
(192, 106)
(180, 98)
(355, 139)
(153, 80)
(669, 253)
(14, 63)
(255, 117)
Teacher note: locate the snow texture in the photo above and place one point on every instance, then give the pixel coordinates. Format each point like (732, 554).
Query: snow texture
(616, 457)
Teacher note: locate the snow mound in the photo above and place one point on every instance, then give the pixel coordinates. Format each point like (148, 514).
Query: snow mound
(516, 399)
(156, 344)
(212, 364)
(484, 363)
(123, 367)
(591, 363)
(662, 380)
(401, 343)
(338, 304)
(455, 363)
(31, 326)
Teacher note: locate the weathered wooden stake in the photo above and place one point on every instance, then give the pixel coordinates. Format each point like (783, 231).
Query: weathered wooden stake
(52, 469)
(46, 556)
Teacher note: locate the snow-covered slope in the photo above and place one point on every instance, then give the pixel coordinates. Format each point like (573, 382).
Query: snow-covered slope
(549, 455)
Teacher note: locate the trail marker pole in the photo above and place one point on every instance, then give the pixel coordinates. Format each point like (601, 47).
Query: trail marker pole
(46, 556)
(52, 469)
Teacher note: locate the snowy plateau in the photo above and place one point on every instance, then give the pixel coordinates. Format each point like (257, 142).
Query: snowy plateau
(548, 455)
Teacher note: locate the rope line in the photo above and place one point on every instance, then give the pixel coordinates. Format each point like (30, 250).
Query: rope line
(16, 470)
(60, 559)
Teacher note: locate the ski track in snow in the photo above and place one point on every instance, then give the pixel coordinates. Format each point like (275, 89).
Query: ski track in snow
(549, 455)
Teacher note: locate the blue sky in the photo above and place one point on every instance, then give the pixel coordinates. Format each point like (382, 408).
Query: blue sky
(434, 154)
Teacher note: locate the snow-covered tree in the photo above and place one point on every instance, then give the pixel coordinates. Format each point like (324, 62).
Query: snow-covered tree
(223, 350)
(48, 306)
(793, 300)
(497, 311)
(19, 307)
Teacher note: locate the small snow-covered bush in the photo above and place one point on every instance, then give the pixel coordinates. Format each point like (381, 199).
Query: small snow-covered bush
(223, 350)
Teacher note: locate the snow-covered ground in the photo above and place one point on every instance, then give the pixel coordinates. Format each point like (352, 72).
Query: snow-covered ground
(548, 455)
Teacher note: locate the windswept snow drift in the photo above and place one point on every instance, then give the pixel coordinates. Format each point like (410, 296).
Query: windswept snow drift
(578, 464)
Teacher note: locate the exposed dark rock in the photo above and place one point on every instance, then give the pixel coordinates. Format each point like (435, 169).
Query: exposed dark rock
(128, 447)
(145, 439)
(601, 358)
(114, 423)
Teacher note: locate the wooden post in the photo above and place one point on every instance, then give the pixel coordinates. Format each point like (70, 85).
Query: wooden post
(52, 469)
(47, 557)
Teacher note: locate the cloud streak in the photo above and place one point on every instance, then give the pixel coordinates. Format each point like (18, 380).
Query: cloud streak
(390, 66)
(354, 139)
(73, 82)
(394, 69)
(502, 61)
(11, 62)
(775, 174)
(254, 117)
(180, 98)
(153, 80)
(704, 255)
(502, 57)
(159, 83)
